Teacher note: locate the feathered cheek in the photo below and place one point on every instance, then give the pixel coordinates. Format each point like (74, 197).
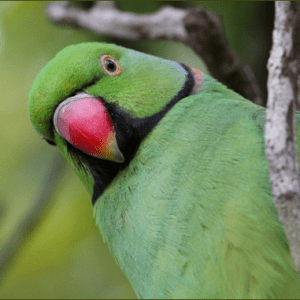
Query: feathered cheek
(84, 122)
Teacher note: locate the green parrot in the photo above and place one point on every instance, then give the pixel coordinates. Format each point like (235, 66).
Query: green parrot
(176, 169)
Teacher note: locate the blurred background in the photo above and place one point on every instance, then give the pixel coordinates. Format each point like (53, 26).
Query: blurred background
(49, 244)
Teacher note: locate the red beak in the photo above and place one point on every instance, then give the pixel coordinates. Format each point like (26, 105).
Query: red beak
(84, 122)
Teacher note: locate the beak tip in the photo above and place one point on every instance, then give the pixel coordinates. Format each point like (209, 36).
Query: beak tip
(117, 154)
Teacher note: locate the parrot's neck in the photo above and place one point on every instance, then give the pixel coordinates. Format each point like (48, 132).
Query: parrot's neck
(137, 209)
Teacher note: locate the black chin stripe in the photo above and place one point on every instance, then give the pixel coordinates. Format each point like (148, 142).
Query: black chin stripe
(145, 125)
(130, 133)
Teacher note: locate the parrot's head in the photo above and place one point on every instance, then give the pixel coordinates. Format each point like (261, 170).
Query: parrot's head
(97, 102)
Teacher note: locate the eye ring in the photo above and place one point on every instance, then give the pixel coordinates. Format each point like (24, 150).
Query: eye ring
(110, 65)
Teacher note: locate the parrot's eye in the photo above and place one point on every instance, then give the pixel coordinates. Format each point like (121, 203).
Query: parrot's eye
(110, 65)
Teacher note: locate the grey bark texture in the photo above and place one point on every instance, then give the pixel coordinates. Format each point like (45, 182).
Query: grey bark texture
(280, 133)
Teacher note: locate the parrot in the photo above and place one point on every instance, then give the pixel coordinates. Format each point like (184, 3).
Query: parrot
(175, 166)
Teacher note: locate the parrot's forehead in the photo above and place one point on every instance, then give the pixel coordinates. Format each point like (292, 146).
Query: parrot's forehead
(83, 51)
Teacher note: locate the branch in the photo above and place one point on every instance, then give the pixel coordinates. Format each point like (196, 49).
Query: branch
(206, 37)
(196, 27)
(25, 226)
(104, 18)
(280, 133)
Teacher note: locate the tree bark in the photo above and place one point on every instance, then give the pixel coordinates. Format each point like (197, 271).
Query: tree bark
(280, 133)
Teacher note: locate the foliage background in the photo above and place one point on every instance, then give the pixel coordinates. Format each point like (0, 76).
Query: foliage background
(62, 254)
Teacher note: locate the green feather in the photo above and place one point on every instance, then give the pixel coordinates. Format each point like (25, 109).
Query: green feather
(192, 215)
